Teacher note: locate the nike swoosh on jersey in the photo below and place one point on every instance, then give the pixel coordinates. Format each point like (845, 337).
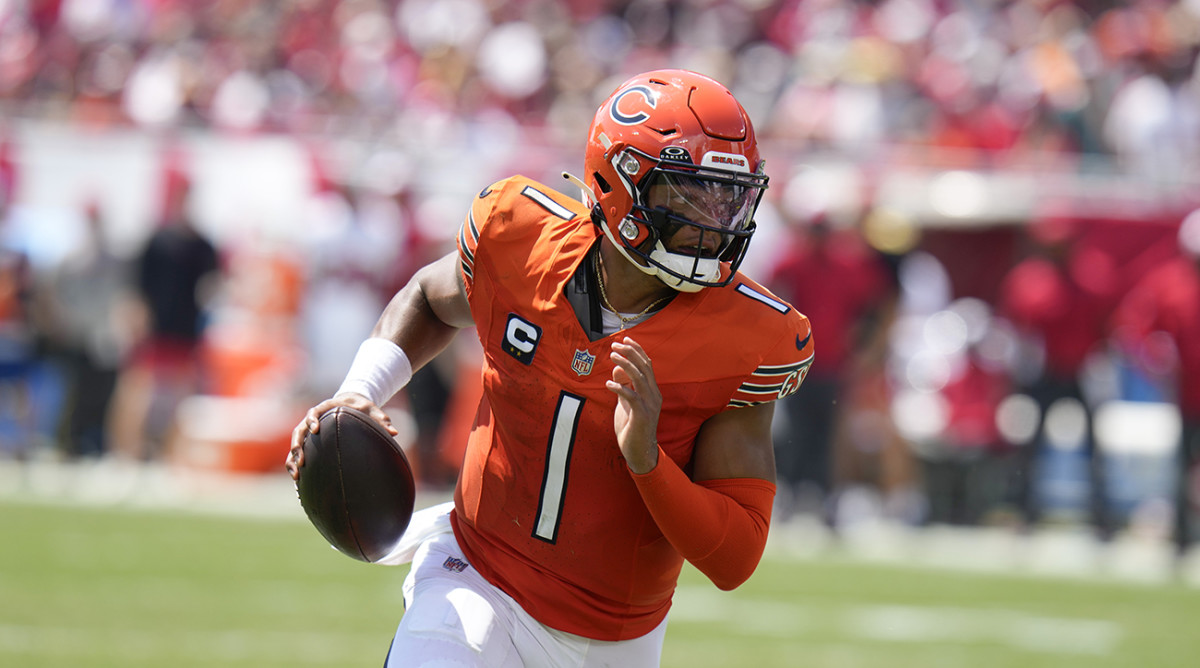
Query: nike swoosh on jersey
(800, 344)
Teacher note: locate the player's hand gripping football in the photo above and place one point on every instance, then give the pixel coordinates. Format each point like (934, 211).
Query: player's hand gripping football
(638, 404)
(312, 423)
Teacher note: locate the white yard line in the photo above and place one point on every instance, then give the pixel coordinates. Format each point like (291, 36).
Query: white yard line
(934, 625)
(1021, 630)
(1068, 553)
(318, 648)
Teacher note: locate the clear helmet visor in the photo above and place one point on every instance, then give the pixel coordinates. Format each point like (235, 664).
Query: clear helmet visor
(713, 201)
(699, 213)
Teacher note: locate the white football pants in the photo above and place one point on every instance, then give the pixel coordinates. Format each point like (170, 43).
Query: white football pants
(455, 618)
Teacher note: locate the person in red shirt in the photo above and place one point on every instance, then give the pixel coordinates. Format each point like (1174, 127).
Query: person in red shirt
(629, 377)
(845, 285)
(1167, 300)
(1059, 299)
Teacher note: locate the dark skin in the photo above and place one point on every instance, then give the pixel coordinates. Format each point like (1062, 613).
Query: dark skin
(425, 315)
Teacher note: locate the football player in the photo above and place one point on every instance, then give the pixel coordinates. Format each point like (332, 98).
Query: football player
(629, 376)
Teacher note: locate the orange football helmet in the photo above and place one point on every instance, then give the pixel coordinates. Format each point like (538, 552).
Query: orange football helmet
(674, 170)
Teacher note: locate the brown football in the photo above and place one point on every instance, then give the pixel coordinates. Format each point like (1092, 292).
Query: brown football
(356, 485)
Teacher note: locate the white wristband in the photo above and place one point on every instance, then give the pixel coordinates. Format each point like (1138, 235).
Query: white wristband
(379, 370)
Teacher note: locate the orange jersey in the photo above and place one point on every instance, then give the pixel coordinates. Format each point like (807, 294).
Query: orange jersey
(545, 507)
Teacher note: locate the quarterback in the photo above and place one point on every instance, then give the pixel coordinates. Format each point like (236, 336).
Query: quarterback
(629, 374)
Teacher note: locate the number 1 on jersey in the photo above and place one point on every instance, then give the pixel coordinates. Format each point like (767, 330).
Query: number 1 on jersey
(558, 459)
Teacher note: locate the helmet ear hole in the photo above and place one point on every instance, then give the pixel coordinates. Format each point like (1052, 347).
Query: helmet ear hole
(602, 183)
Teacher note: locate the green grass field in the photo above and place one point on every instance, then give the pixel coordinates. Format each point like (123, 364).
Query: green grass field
(106, 587)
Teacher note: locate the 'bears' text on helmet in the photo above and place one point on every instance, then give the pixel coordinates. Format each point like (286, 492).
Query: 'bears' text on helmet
(673, 166)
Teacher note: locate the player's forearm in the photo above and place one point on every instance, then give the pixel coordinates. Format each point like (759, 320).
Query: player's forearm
(720, 526)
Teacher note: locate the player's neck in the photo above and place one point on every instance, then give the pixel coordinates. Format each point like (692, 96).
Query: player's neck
(629, 290)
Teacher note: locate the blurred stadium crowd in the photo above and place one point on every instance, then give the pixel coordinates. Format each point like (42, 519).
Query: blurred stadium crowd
(1005, 77)
(981, 205)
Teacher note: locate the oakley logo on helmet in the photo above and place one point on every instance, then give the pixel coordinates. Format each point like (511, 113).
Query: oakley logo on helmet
(732, 161)
(639, 97)
(675, 153)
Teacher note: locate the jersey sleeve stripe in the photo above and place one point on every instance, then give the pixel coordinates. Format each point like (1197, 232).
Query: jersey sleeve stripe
(468, 240)
(749, 389)
(473, 227)
(756, 388)
(548, 204)
(464, 246)
(786, 368)
(465, 255)
(770, 383)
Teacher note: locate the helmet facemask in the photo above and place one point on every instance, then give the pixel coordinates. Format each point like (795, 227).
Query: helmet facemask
(686, 220)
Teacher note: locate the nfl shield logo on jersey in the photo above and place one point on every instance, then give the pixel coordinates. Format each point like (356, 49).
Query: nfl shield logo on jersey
(582, 362)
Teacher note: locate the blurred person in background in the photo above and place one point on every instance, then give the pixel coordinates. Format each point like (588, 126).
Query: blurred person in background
(18, 333)
(364, 246)
(1167, 300)
(87, 306)
(839, 281)
(629, 383)
(1059, 299)
(967, 462)
(351, 254)
(175, 276)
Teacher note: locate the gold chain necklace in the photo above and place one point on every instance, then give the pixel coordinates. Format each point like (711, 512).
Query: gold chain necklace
(625, 320)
